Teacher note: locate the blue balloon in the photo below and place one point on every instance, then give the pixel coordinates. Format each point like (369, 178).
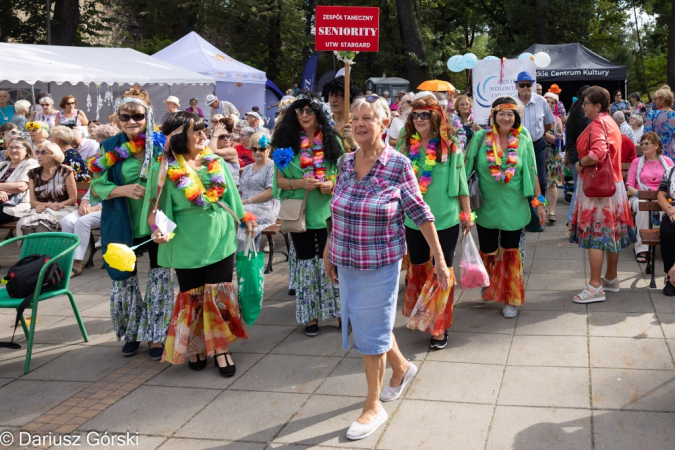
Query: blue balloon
(470, 60)
(525, 55)
(452, 63)
(490, 58)
(458, 65)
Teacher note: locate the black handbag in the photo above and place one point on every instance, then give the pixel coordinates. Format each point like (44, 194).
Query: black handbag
(475, 195)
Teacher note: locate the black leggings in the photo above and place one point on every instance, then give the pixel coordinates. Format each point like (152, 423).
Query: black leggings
(306, 243)
(667, 243)
(150, 248)
(418, 249)
(218, 272)
(489, 239)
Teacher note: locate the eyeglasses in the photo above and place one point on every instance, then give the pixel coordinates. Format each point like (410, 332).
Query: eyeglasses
(424, 115)
(524, 85)
(303, 111)
(258, 149)
(127, 117)
(646, 143)
(41, 152)
(70, 103)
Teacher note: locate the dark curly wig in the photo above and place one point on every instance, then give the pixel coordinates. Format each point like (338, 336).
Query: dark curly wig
(337, 86)
(287, 133)
(175, 120)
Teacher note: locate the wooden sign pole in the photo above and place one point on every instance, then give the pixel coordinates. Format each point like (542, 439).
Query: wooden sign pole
(347, 112)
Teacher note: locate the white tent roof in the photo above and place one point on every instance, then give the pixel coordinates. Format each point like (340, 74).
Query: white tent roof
(56, 64)
(195, 53)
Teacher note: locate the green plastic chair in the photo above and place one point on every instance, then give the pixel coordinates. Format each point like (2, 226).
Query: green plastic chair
(61, 247)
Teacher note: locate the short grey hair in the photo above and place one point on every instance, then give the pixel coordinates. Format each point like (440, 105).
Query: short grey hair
(379, 107)
(638, 117)
(242, 124)
(619, 117)
(248, 131)
(46, 100)
(63, 134)
(22, 106)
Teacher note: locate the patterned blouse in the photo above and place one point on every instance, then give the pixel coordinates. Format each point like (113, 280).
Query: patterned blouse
(75, 162)
(663, 124)
(52, 190)
(368, 215)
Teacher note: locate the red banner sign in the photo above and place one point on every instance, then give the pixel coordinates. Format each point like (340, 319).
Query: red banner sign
(347, 28)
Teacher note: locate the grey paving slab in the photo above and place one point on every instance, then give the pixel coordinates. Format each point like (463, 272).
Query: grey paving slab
(558, 252)
(663, 304)
(94, 440)
(23, 401)
(324, 420)
(548, 301)
(626, 301)
(209, 378)
(67, 330)
(487, 318)
(155, 410)
(287, 373)
(540, 428)
(626, 389)
(327, 343)
(93, 363)
(267, 414)
(560, 351)
(627, 430)
(474, 348)
(43, 323)
(349, 379)
(463, 385)
(277, 313)
(552, 323)
(565, 268)
(202, 444)
(630, 353)
(12, 362)
(668, 324)
(421, 424)
(262, 338)
(572, 284)
(4, 381)
(99, 310)
(623, 324)
(563, 387)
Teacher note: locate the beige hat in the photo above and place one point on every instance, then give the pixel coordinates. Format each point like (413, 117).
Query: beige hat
(172, 99)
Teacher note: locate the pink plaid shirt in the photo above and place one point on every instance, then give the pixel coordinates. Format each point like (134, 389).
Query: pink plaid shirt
(368, 215)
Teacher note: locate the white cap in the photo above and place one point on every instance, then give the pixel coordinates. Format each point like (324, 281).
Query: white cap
(254, 114)
(172, 99)
(210, 99)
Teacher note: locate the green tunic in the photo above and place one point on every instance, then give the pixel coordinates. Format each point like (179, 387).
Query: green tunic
(131, 174)
(505, 206)
(317, 210)
(203, 235)
(448, 181)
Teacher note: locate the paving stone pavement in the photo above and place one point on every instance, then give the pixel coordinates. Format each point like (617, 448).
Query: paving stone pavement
(559, 376)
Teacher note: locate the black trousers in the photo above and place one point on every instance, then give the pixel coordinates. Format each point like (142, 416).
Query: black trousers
(667, 243)
(6, 218)
(489, 239)
(310, 243)
(418, 249)
(151, 248)
(218, 272)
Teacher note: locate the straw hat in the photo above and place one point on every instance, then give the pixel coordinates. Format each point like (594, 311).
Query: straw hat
(172, 99)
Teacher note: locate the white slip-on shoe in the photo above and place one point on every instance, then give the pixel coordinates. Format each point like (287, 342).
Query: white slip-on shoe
(358, 430)
(509, 311)
(390, 393)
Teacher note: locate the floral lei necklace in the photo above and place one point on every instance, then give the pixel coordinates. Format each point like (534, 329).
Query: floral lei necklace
(429, 159)
(311, 155)
(191, 184)
(105, 161)
(499, 171)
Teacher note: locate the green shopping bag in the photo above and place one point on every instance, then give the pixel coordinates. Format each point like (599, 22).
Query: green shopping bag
(250, 280)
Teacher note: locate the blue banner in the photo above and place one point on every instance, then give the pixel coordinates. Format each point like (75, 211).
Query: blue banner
(309, 74)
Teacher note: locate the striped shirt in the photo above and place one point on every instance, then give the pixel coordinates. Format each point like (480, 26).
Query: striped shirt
(537, 114)
(367, 230)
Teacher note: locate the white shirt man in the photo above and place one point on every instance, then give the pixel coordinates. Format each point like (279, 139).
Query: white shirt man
(84, 146)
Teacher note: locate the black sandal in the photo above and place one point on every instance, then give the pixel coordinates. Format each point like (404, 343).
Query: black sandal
(198, 365)
(227, 371)
(641, 258)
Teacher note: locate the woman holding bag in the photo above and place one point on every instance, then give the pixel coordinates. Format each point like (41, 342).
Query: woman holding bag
(433, 149)
(312, 148)
(602, 221)
(193, 189)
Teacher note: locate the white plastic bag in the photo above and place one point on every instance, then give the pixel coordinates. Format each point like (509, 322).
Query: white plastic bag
(472, 272)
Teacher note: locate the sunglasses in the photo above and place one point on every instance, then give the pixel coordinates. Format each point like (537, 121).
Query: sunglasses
(424, 115)
(303, 111)
(258, 149)
(524, 85)
(127, 117)
(646, 143)
(42, 152)
(70, 103)
(45, 105)
(408, 102)
(225, 136)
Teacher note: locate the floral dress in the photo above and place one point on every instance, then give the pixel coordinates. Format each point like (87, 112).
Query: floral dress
(253, 182)
(554, 166)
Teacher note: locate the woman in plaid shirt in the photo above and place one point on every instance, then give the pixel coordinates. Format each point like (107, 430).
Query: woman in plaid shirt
(374, 191)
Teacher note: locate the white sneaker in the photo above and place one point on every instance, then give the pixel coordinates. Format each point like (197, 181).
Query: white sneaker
(98, 244)
(358, 430)
(590, 295)
(390, 393)
(509, 311)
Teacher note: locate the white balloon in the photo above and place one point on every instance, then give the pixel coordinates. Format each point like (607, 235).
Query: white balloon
(542, 60)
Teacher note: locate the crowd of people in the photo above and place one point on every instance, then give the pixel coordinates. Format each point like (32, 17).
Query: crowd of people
(381, 187)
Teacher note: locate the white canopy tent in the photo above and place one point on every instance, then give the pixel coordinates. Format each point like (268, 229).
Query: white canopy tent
(95, 76)
(242, 85)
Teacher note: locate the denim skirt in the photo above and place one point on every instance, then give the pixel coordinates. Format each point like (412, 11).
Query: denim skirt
(369, 305)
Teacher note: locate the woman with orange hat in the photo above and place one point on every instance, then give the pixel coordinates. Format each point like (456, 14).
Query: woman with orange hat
(555, 89)
(434, 150)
